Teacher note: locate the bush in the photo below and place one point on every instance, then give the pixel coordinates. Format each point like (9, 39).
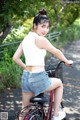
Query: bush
(68, 34)
(10, 75)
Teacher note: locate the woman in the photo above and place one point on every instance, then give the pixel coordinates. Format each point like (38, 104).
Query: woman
(34, 78)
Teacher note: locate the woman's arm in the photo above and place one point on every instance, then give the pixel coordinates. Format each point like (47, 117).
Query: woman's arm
(42, 42)
(17, 55)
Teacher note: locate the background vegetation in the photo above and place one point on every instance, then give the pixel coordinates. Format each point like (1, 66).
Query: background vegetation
(16, 20)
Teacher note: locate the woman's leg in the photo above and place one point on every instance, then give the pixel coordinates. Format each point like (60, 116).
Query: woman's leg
(26, 96)
(57, 86)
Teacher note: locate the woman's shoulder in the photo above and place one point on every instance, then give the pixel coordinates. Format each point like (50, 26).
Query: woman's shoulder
(40, 38)
(41, 41)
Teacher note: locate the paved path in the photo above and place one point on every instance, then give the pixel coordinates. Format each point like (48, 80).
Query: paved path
(72, 82)
(10, 101)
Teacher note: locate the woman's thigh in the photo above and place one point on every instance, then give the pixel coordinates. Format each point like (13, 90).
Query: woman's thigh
(26, 96)
(55, 83)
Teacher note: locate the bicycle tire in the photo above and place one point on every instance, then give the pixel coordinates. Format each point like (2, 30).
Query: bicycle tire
(35, 117)
(34, 113)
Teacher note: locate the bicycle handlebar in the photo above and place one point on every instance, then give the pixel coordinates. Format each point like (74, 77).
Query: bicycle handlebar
(59, 64)
(57, 71)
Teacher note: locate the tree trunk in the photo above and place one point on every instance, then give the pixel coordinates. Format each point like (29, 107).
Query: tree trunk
(5, 32)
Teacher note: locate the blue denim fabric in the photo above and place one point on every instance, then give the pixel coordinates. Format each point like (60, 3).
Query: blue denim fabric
(35, 82)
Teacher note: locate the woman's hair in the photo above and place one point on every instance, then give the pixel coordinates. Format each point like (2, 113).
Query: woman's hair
(41, 18)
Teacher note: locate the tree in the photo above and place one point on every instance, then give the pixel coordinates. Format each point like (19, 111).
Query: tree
(16, 11)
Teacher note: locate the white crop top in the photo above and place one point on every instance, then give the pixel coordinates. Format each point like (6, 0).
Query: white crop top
(34, 56)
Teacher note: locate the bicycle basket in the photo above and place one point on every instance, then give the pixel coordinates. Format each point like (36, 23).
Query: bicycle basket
(55, 70)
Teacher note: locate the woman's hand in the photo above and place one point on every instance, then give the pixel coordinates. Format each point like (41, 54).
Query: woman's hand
(69, 63)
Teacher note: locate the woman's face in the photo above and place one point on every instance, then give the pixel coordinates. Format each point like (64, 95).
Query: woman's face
(42, 29)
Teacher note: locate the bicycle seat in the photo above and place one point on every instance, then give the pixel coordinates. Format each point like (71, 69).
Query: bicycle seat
(39, 98)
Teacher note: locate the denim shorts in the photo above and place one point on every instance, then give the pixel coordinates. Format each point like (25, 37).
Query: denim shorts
(35, 82)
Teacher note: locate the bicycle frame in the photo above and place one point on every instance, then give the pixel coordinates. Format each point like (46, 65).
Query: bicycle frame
(40, 107)
(49, 114)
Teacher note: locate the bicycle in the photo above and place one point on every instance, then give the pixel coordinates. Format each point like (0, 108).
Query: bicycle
(38, 109)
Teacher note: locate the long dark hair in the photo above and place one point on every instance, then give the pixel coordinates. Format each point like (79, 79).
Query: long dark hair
(41, 17)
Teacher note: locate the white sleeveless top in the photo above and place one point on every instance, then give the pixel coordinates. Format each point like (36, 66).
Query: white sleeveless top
(34, 56)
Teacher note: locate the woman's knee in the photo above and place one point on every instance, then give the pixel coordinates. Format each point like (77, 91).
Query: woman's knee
(55, 83)
(59, 82)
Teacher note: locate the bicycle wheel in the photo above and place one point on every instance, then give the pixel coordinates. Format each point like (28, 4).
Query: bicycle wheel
(35, 117)
(34, 112)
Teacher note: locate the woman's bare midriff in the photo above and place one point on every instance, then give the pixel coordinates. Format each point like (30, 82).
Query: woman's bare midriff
(35, 68)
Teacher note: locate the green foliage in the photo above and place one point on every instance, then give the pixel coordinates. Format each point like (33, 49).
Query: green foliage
(19, 10)
(68, 34)
(72, 32)
(10, 75)
(19, 32)
(15, 35)
(72, 13)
